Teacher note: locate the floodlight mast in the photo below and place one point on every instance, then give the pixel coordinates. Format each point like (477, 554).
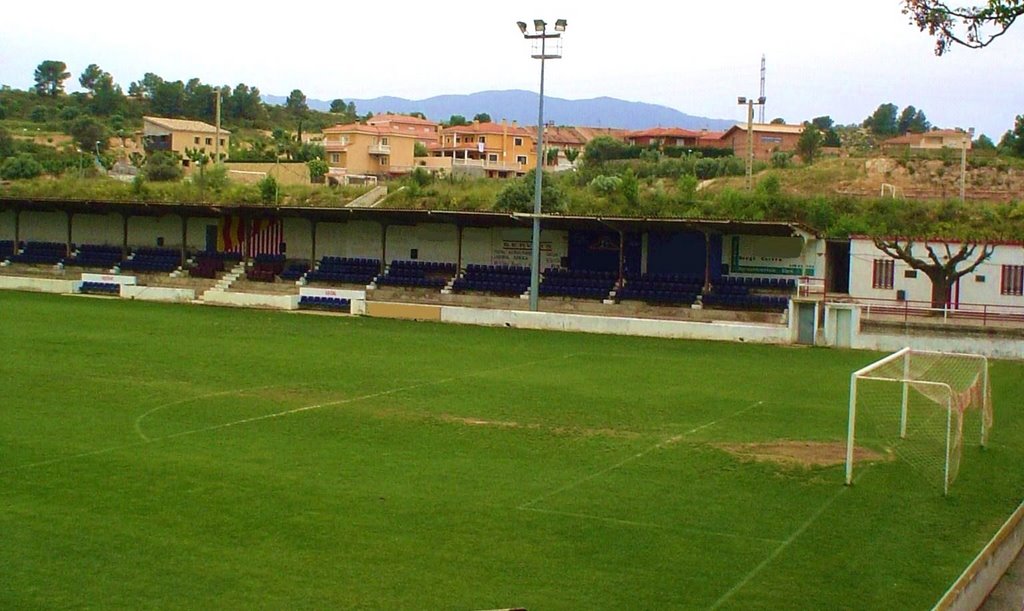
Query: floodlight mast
(541, 34)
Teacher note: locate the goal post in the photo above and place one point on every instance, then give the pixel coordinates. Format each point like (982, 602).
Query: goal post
(913, 404)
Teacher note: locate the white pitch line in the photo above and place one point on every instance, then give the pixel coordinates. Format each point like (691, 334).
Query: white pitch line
(630, 459)
(782, 546)
(216, 427)
(689, 529)
(138, 421)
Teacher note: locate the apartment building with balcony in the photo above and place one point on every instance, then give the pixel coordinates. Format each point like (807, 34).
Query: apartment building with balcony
(495, 150)
(425, 131)
(370, 150)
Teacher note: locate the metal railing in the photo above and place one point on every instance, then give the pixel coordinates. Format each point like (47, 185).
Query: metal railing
(985, 314)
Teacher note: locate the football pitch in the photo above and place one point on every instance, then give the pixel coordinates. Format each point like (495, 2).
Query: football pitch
(196, 457)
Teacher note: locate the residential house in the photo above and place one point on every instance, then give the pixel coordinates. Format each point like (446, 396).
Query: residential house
(177, 135)
(369, 150)
(936, 139)
(425, 131)
(662, 137)
(711, 140)
(495, 150)
(768, 138)
(561, 139)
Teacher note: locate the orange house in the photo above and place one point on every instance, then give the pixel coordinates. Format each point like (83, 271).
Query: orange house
(369, 150)
(501, 150)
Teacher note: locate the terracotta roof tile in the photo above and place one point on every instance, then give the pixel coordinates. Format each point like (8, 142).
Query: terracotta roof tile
(184, 125)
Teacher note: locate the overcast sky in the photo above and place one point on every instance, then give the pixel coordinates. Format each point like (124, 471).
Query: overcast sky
(825, 57)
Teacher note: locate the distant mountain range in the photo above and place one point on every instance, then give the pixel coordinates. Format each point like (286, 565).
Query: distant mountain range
(521, 106)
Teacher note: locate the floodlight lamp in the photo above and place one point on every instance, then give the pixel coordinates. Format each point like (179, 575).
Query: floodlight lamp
(539, 25)
(522, 26)
(761, 100)
(560, 25)
(741, 100)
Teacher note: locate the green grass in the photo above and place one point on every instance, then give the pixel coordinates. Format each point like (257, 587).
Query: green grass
(178, 456)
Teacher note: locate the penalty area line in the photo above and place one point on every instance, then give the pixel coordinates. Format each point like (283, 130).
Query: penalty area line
(675, 438)
(687, 529)
(786, 543)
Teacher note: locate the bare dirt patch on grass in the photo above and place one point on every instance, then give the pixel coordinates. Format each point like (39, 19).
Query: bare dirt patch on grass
(799, 453)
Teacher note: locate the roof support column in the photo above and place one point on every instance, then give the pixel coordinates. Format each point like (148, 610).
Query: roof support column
(17, 228)
(707, 262)
(383, 246)
(458, 262)
(124, 236)
(184, 239)
(312, 243)
(622, 257)
(71, 217)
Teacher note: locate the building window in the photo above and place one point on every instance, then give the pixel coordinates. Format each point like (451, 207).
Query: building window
(384, 141)
(518, 142)
(521, 159)
(335, 157)
(384, 160)
(1013, 280)
(222, 141)
(910, 273)
(882, 273)
(492, 157)
(209, 141)
(196, 139)
(481, 139)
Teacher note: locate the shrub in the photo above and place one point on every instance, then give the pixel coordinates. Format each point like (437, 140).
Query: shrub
(268, 190)
(705, 168)
(215, 178)
(39, 114)
(163, 167)
(605, 185)
(781, 159)
(20, 166)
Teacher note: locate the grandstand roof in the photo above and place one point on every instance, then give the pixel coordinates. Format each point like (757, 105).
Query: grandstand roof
(411, 217)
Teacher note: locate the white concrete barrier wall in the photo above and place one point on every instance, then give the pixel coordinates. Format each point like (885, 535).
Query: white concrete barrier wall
(39, 285)
(109, 278)
(975, 584)
(767, 334)
(992, 347)
(252, 300)
(157, 293)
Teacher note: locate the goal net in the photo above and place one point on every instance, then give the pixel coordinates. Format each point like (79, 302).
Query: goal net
(913, 404)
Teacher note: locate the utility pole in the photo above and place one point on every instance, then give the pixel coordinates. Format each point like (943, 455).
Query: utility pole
(968, 137)
(216, 142)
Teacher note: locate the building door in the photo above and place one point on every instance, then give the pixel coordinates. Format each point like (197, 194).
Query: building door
(211, 238)
(805, 323)
(837, 266)
(844, 327)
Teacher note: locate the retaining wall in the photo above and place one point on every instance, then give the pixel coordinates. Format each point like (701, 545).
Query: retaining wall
(39, 285)
(990, 346)
(766, 334)
(157, 293)
(252, 300)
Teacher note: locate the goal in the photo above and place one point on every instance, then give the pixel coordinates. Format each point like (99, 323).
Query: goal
(912, 405)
